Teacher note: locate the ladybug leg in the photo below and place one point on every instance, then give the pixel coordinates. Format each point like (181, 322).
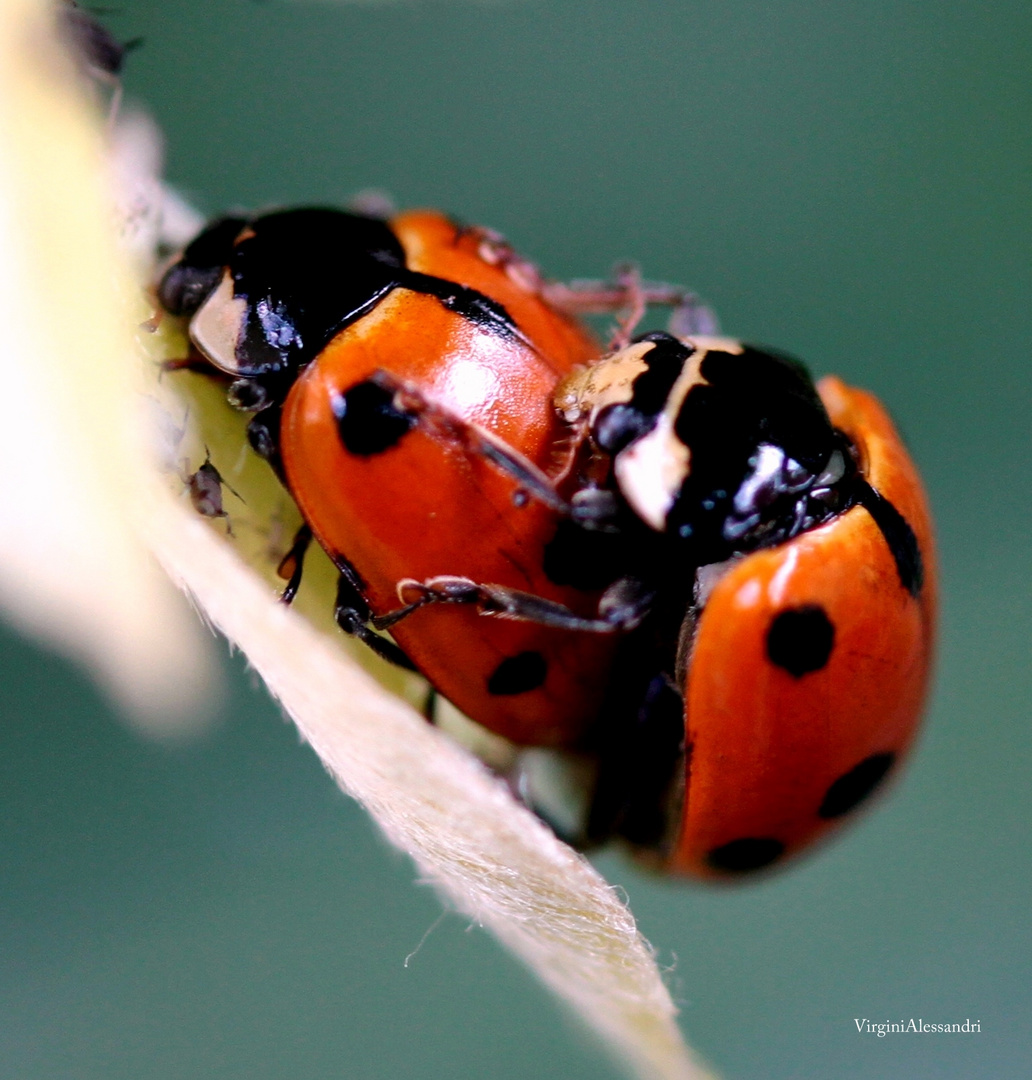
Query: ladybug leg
(627, 292)
(622, 607)
(352, 614)
(196, 364)
(592, 507)
(495, 250)
(153, 324)
(292, 564)
(690, 317)
(430, 705)
(372, 202)
(642, 743)
(628, 275)
(476, 441)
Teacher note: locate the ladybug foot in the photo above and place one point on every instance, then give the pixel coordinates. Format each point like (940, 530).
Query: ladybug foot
(292, 565)
(352, 616)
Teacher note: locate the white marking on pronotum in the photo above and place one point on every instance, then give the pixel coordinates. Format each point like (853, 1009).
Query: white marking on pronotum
(650, 473)
(652, 470)
(215, 328)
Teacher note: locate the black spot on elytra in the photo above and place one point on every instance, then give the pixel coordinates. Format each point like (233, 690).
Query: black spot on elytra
(367, 421)
(898, 535)
(800, 639)
(852, 788)
(749, 853)
(518, 674)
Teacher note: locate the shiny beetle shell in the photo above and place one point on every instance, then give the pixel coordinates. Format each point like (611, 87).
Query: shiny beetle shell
(808, 671)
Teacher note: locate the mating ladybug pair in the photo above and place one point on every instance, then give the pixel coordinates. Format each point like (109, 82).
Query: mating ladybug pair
(681, 559)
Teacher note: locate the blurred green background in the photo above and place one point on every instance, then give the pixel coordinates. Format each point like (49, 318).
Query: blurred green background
(849, 181)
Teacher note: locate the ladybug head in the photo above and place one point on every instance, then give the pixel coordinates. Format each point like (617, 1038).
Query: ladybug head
(721, 446)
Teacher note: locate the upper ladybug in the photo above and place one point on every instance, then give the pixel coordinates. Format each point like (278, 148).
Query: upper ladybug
(308, 310)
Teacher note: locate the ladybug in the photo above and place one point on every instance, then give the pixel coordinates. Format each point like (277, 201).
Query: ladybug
(712, 576)
(320, 318)
(792, 681)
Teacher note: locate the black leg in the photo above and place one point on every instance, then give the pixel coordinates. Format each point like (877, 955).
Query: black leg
(292, 565)
(642, 742)
(592, 507)
(352, 614)
(430, 704)
(622, 607)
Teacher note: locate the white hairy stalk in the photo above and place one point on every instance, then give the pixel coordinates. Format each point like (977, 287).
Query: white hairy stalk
(87, 503)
